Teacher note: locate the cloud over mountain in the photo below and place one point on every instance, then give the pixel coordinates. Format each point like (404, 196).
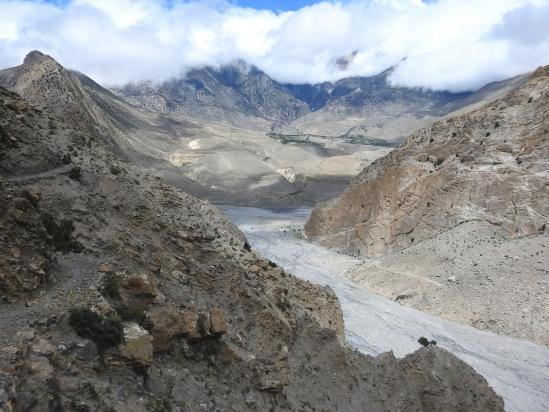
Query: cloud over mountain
(448, 44)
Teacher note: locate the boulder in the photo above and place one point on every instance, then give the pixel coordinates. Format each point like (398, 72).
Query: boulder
(138, 344)
(21, 106)
(32, 195)
(167, 322)
(106, 268)
(138, 291)
(218, 324)
(180, 276)
(274, 378)
(204, 323)
(254, 269)
(190, 324)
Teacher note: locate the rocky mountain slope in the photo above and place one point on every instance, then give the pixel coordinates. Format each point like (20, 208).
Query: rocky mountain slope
(236, 93)
(239, 90)
(84, 104)
(185, 129)
(455, 219)
(489, 165)
(121, 292)
(210, 160)
(246, 97)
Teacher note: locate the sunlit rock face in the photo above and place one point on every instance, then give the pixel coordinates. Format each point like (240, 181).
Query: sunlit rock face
(487, 165)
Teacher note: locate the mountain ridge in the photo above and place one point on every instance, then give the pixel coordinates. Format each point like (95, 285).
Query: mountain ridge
(211, 160)
(240, 94)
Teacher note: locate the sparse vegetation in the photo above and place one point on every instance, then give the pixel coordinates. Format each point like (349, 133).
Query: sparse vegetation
(115, 170)
(104, 331)
(289, 138)
(426, 342)
(133, 314)
(75, 173)
(111, 286)
(61, 234)
(157, 405)
(371, 141)
(348, 138)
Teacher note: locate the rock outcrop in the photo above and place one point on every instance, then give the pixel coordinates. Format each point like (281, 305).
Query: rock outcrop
(490, 165)
(137, 345)
(155, 301)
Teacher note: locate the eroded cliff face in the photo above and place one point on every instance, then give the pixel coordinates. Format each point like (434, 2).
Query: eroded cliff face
(489, 165)
(149, 299)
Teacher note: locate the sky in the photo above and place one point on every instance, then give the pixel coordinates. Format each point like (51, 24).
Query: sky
(455, 45)
(274, 5)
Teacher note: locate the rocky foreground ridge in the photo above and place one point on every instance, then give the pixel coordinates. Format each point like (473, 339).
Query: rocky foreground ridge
(121, 293)
(490, 165)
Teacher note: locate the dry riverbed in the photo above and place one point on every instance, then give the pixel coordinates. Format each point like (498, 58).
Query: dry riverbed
(517, 369)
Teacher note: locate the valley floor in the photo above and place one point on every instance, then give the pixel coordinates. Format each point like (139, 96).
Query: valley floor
(472, 276)
(517, 369)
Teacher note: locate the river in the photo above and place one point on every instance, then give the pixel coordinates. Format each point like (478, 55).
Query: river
(518, 370)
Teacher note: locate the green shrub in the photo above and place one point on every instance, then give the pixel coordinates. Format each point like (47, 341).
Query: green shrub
(61, 234)
(115, 170)
(104, 331)
(134, 314)
(157, 405)
(75, 173)
(111, 286)
(426, 342)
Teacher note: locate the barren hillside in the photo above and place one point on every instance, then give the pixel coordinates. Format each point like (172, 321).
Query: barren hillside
(121, 292)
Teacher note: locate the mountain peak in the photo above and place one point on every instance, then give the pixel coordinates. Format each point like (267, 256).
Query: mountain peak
(37, 57)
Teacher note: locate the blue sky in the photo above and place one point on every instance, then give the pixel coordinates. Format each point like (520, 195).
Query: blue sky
(274, 5)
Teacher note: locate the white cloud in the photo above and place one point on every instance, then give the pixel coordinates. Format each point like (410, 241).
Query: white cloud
(447, 44)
